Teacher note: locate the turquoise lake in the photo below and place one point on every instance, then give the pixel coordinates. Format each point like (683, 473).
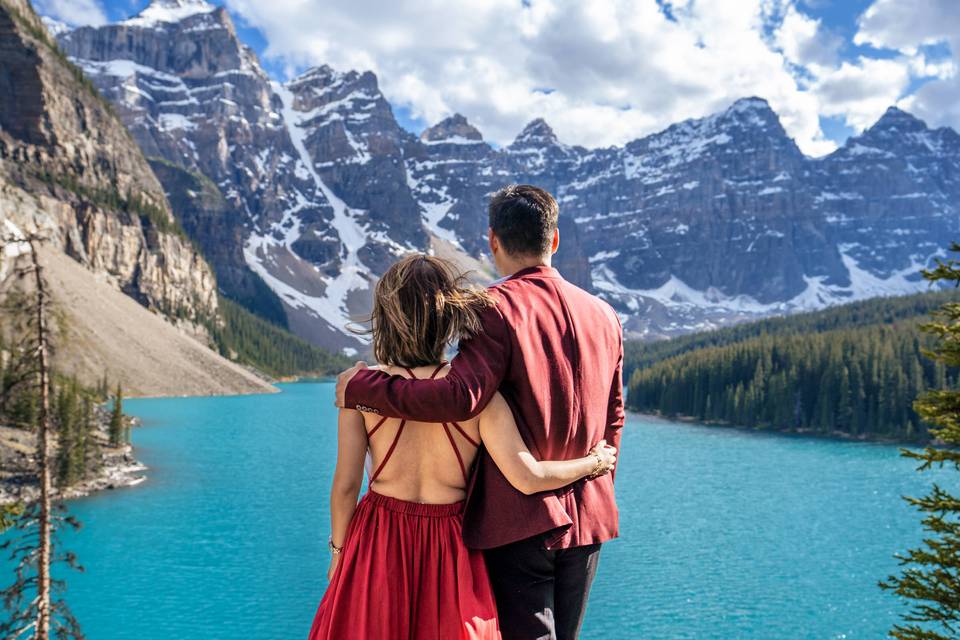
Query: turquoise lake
(724, 533)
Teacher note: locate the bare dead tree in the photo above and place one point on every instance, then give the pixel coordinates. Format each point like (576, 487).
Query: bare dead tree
(43, 448)
(33, 551)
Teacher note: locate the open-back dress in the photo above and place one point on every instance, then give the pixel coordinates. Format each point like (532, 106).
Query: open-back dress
(404, 572)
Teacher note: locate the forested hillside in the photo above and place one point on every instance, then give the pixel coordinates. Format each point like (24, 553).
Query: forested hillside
(253, 341)
(854, 369)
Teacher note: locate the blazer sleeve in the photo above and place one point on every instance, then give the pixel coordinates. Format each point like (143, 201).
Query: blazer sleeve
(615, 411)
(475, 374)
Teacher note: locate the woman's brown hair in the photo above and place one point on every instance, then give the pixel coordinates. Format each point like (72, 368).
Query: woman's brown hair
(420, 306)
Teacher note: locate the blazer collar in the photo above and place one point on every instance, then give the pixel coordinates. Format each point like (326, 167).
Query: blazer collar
(540, 270)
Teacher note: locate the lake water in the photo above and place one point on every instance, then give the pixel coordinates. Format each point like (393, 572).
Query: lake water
(725, 534)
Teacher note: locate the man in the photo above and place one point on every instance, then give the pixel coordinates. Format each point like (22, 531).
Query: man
(555, 353)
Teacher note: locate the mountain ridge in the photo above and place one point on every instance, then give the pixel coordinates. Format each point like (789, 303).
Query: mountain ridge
(710, 221)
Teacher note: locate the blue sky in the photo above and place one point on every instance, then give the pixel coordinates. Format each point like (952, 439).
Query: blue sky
(603, 72)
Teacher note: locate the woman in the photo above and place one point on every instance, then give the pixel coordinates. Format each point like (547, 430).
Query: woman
(399, 567)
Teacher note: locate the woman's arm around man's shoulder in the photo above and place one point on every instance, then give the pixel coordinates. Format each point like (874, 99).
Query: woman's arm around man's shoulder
(498, 431)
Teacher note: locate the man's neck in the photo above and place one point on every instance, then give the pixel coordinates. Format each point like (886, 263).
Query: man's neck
(512, 265)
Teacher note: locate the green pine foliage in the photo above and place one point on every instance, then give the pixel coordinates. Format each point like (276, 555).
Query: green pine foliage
(876, 311)
(251, 340)
(77, 450)
(930, 577)
(853, 370)
(119, 431)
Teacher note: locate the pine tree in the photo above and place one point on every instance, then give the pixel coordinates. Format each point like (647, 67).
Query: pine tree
(75, 428)
(89, 453)
(119, 433)
(68, 419)
(103, 387)
(930, 577)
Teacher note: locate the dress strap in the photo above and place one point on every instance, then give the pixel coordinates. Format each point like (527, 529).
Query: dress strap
(396, 439)
(453, 444)
(432, 375)
(464, 434)
(456, 451)
(386, 458)
(376, 426)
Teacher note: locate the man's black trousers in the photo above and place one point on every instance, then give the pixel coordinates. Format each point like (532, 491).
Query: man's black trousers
(541, 593)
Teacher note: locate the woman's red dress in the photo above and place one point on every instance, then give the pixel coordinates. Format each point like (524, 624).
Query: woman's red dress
(405, 573)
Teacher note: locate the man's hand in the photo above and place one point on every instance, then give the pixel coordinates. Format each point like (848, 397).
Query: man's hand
(343, 379)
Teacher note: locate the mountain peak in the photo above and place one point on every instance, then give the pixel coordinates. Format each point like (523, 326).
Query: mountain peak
(324, 78)
(455, 128)
(324, 74)
(753, 111)
(896, 118)
(536, 133)
(159, 11)
(898, 133)
(750, 103)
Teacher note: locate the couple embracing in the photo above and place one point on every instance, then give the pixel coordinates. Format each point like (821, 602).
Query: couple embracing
(491, 476)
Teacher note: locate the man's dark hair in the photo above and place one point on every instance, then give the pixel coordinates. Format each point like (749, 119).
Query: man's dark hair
(524, 218)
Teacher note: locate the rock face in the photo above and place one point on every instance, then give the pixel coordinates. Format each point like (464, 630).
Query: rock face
(708, 222)
(71, 171)
(193, 95)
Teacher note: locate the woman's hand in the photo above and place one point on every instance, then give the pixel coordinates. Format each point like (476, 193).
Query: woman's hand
(334, 561)
(606, 458)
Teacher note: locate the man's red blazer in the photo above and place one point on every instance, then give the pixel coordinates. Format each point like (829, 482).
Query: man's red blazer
(555, 352)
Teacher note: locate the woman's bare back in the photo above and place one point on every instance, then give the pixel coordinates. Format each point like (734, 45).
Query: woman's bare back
(423, 466)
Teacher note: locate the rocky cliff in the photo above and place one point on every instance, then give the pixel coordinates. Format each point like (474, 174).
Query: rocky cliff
(71, 171)
(708, 222)
(132, 289)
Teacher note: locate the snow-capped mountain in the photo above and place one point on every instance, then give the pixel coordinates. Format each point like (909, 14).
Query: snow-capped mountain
(312, 188)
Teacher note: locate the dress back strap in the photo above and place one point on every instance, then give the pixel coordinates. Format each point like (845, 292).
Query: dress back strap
(376, 426)
(456, 451)
(403, 423)
(464, 434)
(432, 375)
(386, 458)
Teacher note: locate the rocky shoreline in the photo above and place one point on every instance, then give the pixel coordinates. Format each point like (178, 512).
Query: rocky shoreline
(111, 468)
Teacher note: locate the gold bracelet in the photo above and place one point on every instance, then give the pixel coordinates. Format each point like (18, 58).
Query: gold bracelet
(597, 468)
(334, 549)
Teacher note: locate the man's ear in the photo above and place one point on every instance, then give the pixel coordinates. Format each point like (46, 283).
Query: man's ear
(556, 241)
(494, 242)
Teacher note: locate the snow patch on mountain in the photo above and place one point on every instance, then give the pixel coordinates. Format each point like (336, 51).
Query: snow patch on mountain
(678, 297)
(165, 11)
(453, 140)
(353, 275)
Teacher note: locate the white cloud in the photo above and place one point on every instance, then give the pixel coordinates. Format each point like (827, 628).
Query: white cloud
(861, 91)
(858, 90)
(903, 25)
(804, 41)
(72, 12)
(909, 27)
(601, 72)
